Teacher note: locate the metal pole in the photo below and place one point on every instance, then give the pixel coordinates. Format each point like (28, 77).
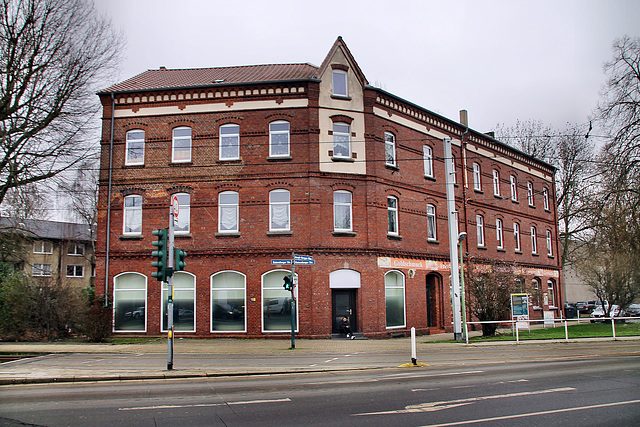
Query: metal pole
(463, 306)
(453, 239)
(170, 292)
(293, 301)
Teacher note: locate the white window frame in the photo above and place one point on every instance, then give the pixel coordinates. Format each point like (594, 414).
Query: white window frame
(431, 223)
(184, 212)
(230, 136)
(75, 249)
(344, 81)
(341, 134)
(279, 292)
(390, 149)
(516, 236)
(530, 193)
(477, 179)
(178, 287)
(222, 290)
(42, 247)
(348, 205)
(137, 160)
(279, 205)
(278, 133)
(551, 295)
(514, 188)
(117, 290)
(496, 182)
(480, 230)
(75, 270)
(545, 198)
(549, 243)
(392, 216)
(499, 233)
(404, 297)
(534, 240)
(176, 140)
(227, 207)
(453, 168)
(133, 209)
(427, 154)
(41, 270)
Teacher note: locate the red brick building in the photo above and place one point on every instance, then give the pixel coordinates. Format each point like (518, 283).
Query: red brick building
(267, 160)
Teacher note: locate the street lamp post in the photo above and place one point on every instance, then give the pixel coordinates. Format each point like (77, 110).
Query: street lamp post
(461, 237)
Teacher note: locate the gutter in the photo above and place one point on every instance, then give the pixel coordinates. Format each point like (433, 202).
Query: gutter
(106, 274)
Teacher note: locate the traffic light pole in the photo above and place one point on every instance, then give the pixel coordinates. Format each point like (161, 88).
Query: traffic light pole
(170, 293)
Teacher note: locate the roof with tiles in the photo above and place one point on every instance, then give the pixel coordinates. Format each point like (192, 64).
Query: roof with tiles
(43, 229)
(199, 77)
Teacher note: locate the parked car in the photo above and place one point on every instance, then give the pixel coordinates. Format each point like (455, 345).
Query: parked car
(599, 313)
(633, 309)
(585, 306)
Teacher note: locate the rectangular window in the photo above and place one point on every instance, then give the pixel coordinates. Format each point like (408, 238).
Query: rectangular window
(340, 83)
(228, 211)
(499, 233)
(431, 222)
(496, 183)
(229, 142)
(389, 149)
(134, 151)
(516, 235)
(41, 270)
(75, 249)
(530, 193)
(477, 185)
(75, 271)
(392, 215)
(545, 198)
(427, 153)
(534, 241)
(342, 211)
(279, 210)
(279, 139)
(183, 223)
(132, 215)
(42, 247)
(341, 140)
(181, 144)
(514, 188)
(480, 230)
(453, 168)
(549, 244)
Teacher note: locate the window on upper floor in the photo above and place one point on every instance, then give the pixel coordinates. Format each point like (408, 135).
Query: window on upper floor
(389, 149)
(453, 168)
(42, 247)
(279, 139)
(75, 271)
(545, 198)
(183, 223)
(496, 182)
(75, 249)
(477, 184)
(549, 244)
(342, 219)
(41, 270)
(392, 215)
(229, 142)
(431, 222)
(499, 235)
(514, 188)
(279, 210)
(132, 218)
(341, 140)
(534, 241)
(340, 83)
(228, 212)
(134, 151)
(480, 230)
(516, 236)
(427, 155)
(530, 193)
(181, 151)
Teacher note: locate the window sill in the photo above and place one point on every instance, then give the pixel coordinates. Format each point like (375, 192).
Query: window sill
(484, 248)
(433, 241)
(234, 234)
(394, 237)
(342, 159)
(502, 250)
(550, 256)
(183, 163)
(182, 235)
(131, 237)
(553, 307)
(135, 166)
(279, 158)
(430, 178)
(535, 254)
(519, 252)
(498, 196)
(341, 97)
(344, 233)
(235, 160)
(547, 210)
(279, 233)
(392, 167)
(515, 201)
(532, 206)
(475, 190)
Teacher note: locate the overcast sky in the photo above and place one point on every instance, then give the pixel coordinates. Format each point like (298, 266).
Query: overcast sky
(500, 60)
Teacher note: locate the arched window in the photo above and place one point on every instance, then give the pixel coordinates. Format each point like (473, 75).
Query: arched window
(134, 151)
(530, 193)
(534, 240)
(431, 222)
(184, 307)
(229, 142)
(545, 198)
(130, 302)
(427, 155)
(132, 215)
(536, 292)
(276, 303)
(228, 212)
(477, 183)
(549, 244)
(480, 230)
(551, 292)
(394, 299)
(228, 302)
(392, 215)
(514, 188)
(499, 236)
(279, 139)
(496, 183)
(183, 224)
(516, 236)
(181, 151)
(279, 210)
(389, 149)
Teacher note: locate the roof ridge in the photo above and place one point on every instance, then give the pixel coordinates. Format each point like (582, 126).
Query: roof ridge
(231, 66)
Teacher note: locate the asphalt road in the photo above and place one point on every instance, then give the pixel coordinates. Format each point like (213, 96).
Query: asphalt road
(533, 386)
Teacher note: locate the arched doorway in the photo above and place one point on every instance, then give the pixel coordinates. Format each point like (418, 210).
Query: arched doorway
(434, 300)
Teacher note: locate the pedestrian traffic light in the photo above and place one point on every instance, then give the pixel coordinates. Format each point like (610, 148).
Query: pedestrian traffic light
(161, 264)
(288, 283)
(178, 259)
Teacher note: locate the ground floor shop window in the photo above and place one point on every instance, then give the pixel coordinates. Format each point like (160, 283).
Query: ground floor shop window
(228, 301)
(394, 299)
(184, 285)
(276, 303)
(130, 302)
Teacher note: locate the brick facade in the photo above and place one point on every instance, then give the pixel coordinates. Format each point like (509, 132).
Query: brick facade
(349, 265)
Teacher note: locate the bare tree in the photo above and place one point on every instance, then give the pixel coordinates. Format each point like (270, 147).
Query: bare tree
(53, 54)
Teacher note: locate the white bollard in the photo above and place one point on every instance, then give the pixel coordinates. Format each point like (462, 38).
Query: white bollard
(414, 360)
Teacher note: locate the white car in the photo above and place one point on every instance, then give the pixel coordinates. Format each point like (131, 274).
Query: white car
(598, 314)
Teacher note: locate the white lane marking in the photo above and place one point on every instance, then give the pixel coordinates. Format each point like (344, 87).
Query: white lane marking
(533, 414)
(446, 404)
(201, 405)
(394, 377)
(330, 360)
(403, 376)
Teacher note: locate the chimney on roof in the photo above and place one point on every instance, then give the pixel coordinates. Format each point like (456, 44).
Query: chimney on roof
(163, 68)
(492, 134)
(464, 118)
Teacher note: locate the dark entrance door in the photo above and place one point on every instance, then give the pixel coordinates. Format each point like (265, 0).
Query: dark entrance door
(344, 305)
(432, 297)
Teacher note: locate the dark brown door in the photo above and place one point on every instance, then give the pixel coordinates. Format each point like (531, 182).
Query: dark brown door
(344, 305)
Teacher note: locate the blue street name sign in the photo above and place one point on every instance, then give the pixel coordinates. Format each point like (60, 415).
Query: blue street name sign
(298, 258)
(281, 261)
(305, 262)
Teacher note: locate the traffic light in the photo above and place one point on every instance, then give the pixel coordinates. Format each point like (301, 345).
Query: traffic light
(288, 283)
(162, 270)
(178, 259)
